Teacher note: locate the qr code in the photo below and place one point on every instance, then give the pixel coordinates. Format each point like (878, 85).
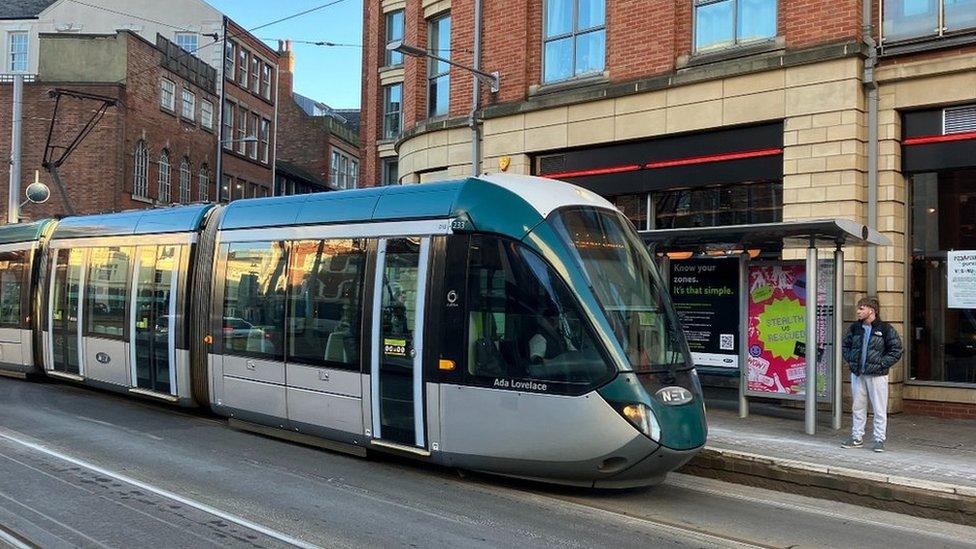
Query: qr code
(726, 342)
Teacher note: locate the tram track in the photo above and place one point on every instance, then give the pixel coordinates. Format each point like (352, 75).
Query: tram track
(699, 536)
(128, 493)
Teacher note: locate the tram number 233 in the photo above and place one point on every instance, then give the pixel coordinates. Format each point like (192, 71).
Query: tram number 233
(395, 347)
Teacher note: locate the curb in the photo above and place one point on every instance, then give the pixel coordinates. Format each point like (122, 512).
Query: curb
(905, 495)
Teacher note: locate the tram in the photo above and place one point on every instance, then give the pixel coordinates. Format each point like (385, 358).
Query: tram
(507, 324)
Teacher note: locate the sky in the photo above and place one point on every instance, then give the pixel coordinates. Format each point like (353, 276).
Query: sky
(331, 75)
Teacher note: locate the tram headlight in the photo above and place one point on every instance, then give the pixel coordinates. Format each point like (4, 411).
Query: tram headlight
(643, 418)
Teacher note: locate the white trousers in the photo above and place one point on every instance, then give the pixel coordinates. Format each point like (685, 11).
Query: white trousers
(875, 389)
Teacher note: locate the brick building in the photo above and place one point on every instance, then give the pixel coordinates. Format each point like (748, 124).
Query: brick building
(717, 112)
(156, 145)
(320, 150)
(248, 117)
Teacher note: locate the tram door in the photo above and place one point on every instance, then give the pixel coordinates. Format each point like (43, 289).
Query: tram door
(153, 315)
(65, 295)
(398, 320)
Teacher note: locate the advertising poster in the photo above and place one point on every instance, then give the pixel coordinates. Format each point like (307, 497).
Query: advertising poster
(776, 346)
(705, 294)
(962, 279)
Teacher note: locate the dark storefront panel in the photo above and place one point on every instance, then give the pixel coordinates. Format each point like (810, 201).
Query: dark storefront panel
(710, 158)
(939, 158)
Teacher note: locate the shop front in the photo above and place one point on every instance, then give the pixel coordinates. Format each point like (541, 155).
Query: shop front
(939, 163)
(730, 176)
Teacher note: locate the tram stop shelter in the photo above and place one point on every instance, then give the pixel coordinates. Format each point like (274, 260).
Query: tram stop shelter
(744, 241)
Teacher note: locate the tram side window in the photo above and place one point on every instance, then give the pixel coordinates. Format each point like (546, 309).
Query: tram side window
(254, 299)
(325, 300)
(13, 275)
(105, 296)
(523, 322)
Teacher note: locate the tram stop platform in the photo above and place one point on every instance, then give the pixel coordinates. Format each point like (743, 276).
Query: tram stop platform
(927, 470)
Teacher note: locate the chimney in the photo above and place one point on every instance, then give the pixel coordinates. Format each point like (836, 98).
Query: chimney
(286, 68)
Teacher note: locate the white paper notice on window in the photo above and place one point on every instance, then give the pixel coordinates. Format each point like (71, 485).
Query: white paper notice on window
(962, 279)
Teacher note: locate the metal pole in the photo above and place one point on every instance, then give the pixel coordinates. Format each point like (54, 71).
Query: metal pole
(13, 200)
(838, 334)
(811, 341)
(743, 334)
(476, 94)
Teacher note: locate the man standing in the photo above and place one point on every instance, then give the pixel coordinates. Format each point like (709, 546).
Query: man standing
(871, 347)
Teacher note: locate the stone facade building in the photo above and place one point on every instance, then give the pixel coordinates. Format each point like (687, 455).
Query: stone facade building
(716, 112)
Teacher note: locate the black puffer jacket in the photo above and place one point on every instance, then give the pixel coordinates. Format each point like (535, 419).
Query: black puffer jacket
(884, 348)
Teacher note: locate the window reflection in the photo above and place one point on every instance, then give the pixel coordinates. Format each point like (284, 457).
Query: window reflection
(13, 273)
(105, 296)
(575, 38)
(254, 299)
(523, 321)
(725, 23)
(325, 300)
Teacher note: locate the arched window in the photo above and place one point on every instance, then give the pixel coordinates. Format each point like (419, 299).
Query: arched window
(184, 180)
(140, 180)
(164, 194)
(204, 184)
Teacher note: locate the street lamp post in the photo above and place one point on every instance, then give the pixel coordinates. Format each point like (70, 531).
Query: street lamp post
(491, 78)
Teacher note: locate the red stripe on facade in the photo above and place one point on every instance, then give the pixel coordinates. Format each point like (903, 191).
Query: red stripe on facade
(724, 157)
(594, 171)
(939, 138)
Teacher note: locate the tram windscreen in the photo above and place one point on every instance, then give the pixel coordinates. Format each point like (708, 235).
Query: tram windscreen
(627, 285)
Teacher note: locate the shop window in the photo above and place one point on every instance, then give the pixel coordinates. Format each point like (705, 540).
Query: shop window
(523, 321)
(107, 291)
(13, 298)
(739, 204)
(942, 329)
(634, 207)
(325, 301)
(438, 72)
(574, 33)
(728, 23)
(254, 299)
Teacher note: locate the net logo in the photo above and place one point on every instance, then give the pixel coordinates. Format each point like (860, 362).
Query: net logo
(674, 396)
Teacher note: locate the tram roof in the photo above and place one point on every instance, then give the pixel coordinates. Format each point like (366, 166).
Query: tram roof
(23, 232)
(158, 220)
(476, 197)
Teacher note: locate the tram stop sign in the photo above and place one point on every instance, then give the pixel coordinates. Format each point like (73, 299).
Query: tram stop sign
(38, 193)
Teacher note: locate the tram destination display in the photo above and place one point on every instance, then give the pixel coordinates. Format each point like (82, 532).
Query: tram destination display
(705, 294)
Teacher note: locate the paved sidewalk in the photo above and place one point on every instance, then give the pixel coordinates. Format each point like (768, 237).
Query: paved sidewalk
(929, 466)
